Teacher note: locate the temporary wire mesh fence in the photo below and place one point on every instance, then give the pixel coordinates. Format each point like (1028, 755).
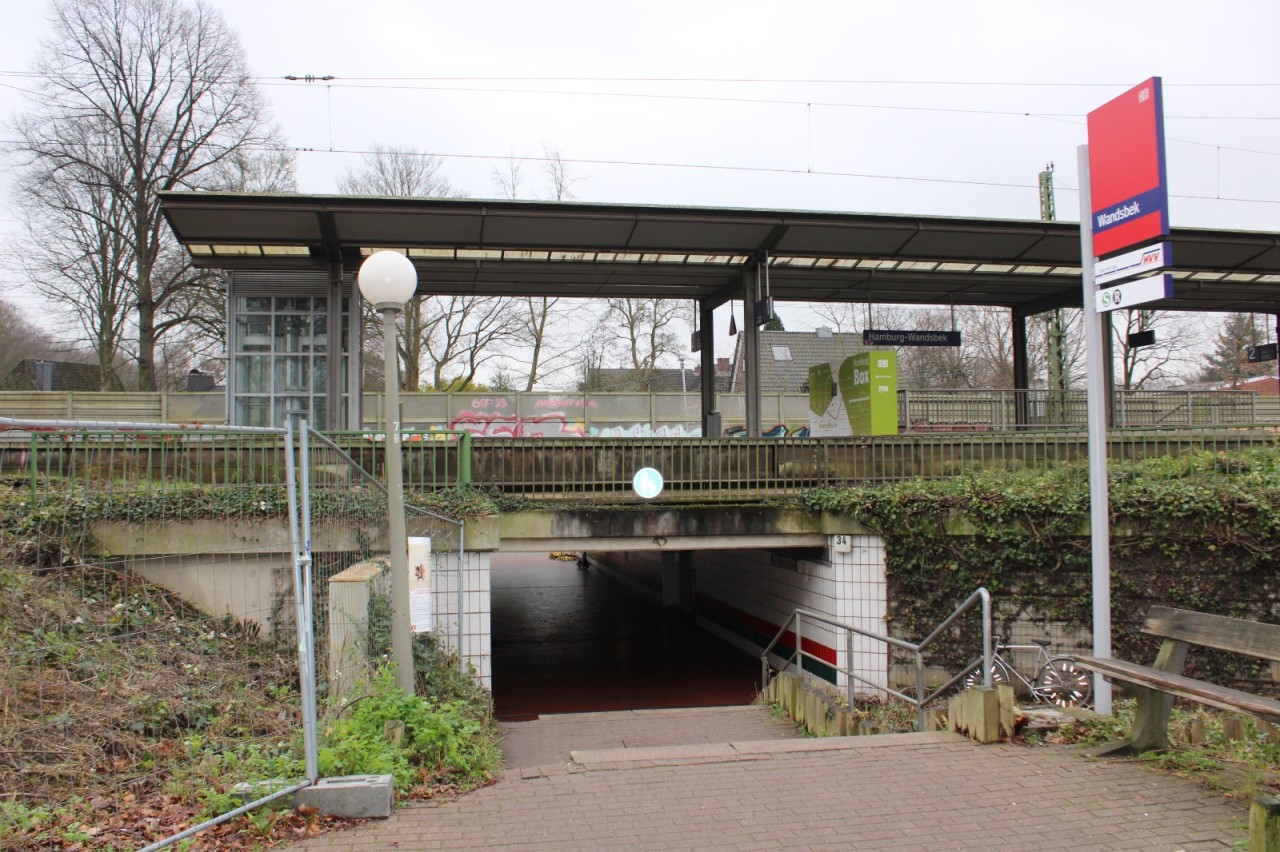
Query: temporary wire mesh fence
(150, 637)
(348, 541)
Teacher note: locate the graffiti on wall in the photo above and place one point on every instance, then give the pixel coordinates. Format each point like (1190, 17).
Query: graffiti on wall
(646, 430)
(566, 417)
(782, 430)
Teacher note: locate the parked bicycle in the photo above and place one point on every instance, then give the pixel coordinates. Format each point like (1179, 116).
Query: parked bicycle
(1058, 680)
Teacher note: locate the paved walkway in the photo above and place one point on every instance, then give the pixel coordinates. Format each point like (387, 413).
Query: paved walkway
(893, 791)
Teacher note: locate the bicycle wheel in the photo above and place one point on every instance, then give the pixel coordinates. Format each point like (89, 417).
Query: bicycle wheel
(1063, 683)
(974, 677)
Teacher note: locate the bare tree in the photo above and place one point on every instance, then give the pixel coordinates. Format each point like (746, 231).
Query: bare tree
(594, 352)
(399, 172)
(843, 317)
(1147, 366)
(402, 173)
(463, 333)
(539, 316)
(78, 253)
(931, 367)
(164, 84)
(990, 339)
(642, 329)
(266, 170)
(560, 180)
(508, 178)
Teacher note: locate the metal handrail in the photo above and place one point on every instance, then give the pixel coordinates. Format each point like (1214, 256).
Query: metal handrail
(917, 649)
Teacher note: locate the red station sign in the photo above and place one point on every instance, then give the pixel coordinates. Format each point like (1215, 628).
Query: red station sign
(1127, 182)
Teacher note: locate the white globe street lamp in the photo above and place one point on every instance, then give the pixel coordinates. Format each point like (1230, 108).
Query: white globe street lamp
(387, 280)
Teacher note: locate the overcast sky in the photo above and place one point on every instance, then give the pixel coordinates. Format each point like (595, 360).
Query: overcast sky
(934, 108)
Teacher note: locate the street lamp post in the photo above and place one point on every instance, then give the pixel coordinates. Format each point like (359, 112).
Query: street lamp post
(387, 281)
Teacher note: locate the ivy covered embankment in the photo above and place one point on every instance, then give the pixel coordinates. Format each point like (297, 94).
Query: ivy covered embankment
(1200, 532)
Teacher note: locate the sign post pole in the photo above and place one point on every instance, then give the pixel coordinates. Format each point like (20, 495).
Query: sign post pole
(1099, 496)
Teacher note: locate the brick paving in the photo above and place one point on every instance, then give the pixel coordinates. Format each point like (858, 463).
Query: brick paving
(625, 789)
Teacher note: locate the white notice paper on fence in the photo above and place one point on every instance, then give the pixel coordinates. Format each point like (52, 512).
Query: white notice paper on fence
(420, 612)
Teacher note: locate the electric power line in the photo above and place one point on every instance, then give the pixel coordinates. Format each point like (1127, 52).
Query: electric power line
(734, 100)
(746, 169)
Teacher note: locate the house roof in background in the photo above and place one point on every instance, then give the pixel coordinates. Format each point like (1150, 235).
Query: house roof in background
(662, 380)
(40, 375)
(786, 356)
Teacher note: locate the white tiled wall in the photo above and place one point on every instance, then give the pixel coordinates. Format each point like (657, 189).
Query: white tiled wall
(862, 598)
(477, 646)
(848, 587)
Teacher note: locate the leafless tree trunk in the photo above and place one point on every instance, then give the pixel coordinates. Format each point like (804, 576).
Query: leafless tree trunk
(642, 329)
(268, 170)
(508, 180)
(166, 84)
(398, 172)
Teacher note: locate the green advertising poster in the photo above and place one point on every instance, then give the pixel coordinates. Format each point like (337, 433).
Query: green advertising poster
(827, 417)
(820, 388)
(869, 384)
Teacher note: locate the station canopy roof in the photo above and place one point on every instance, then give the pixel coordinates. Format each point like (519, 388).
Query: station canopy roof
(519, 248)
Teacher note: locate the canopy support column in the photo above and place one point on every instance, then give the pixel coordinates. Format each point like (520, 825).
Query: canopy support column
(707, 360)
(1020, 371)
(751, 349)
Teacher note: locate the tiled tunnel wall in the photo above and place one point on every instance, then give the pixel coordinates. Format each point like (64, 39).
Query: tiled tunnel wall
(745, 597)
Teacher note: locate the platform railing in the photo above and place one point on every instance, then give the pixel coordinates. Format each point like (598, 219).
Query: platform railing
(791, 637)
(730, 468)
(595, 468)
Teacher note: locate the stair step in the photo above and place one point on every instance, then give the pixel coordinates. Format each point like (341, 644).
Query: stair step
(553, 739)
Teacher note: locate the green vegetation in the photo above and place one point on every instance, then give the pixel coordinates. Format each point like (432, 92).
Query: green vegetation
(72, 505)
(1200, 747)
(445, 744)
(130, 715)
(1201, 531)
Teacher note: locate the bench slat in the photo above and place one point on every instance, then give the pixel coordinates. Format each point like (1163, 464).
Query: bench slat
(1215, 631)
(1207, 693)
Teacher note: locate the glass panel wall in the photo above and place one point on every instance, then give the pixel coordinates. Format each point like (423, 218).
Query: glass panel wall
(280, 349)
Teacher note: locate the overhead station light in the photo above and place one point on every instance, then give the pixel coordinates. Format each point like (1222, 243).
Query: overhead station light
(246, 250)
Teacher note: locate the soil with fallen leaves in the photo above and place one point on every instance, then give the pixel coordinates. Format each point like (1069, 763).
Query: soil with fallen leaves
(116, 700)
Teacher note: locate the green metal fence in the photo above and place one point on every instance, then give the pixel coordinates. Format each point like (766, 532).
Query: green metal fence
(150, 459)
(554, 469)
(709, 468)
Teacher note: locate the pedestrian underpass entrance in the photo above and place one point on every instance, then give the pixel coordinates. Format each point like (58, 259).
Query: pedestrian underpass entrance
(643, 629)
(568, 640)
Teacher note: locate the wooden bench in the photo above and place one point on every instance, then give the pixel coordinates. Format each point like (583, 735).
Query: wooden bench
(1157, 684)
